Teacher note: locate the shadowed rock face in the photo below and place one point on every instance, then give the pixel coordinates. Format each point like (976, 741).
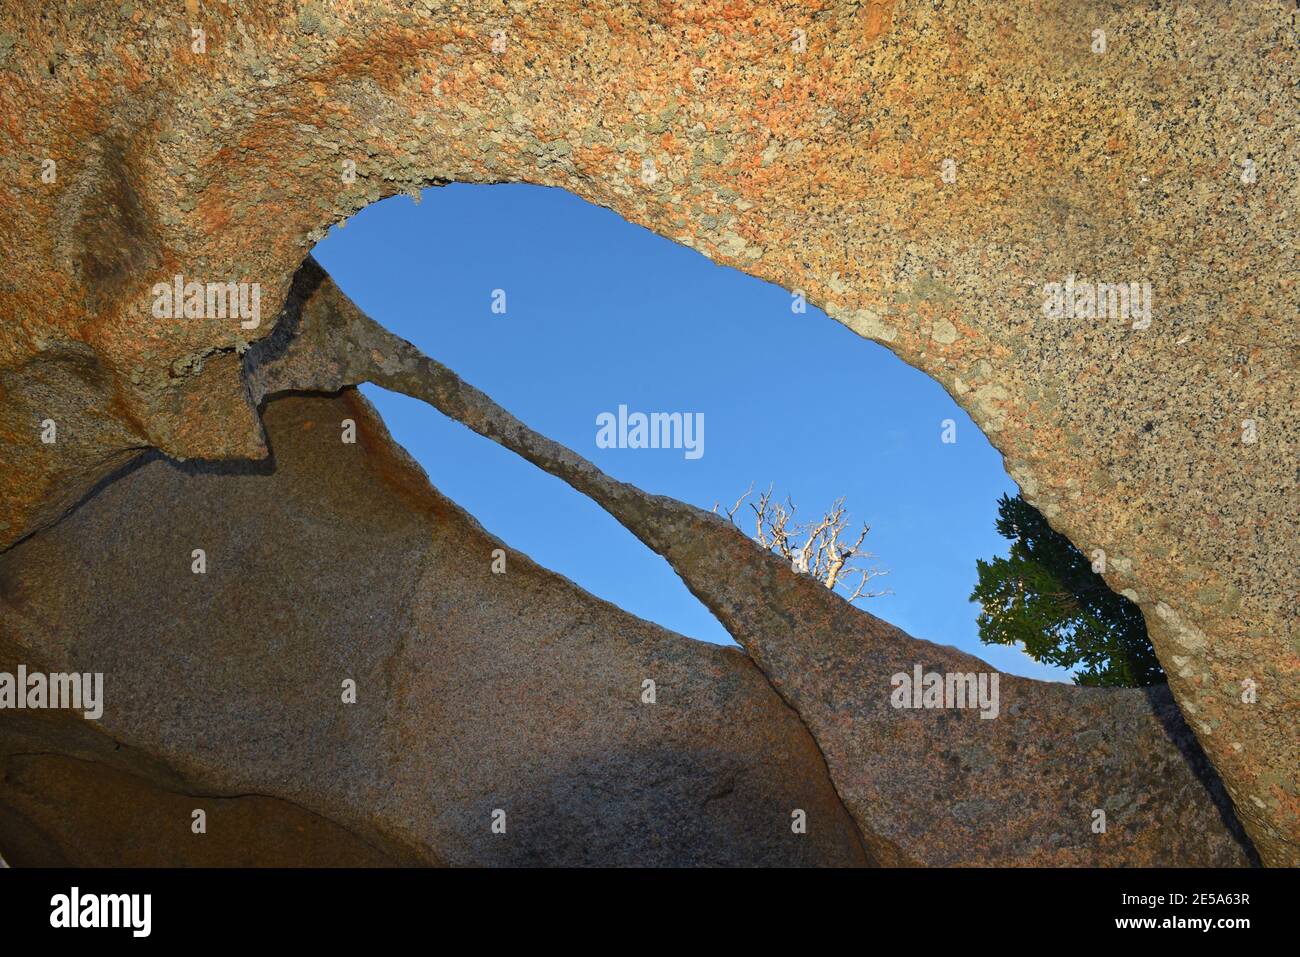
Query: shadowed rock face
(475, 691)
(70, 812)
(1020, 783)
(802, 143)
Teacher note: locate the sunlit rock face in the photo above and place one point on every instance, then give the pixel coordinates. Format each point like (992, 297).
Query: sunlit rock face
(935, 179)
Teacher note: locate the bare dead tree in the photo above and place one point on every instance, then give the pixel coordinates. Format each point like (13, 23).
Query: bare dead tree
(820, 548)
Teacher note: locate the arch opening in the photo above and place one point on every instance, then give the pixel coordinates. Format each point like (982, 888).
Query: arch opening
(564, 312)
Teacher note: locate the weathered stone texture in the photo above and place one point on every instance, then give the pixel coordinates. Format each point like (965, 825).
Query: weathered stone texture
(1171, 448)
(476, 691)
(1021, 785)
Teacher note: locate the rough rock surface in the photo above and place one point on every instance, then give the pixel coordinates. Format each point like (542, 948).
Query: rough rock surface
(72, 812)
(803, 143)
(1019, 785)
(475, 691)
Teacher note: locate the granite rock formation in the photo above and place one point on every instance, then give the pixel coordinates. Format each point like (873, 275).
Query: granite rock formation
(486, 688)
(475, 691)
(1018, 786)
(807, 144)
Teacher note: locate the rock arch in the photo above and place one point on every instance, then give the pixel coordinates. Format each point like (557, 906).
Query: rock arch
(814, 164)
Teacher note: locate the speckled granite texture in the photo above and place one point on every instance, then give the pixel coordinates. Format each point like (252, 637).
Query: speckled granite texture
(475, 691)
(803, 143)
(1020, 781)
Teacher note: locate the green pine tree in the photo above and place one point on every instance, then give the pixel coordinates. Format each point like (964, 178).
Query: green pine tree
(1046, 596)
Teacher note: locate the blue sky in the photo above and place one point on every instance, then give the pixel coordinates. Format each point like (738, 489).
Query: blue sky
(600, 313)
